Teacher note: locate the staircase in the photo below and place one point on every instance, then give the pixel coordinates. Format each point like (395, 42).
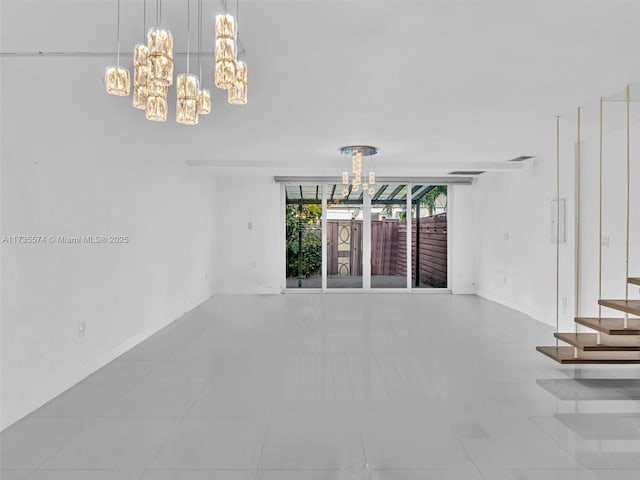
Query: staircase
(615, 341)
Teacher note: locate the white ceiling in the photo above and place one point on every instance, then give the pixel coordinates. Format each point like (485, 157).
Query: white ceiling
(434, 85)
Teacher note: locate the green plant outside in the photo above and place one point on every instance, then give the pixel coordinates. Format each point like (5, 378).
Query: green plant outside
(307, 221)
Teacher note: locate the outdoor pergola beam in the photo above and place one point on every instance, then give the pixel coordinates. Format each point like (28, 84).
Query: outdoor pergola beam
(421, 192)
(380, 192)
(395, 192)
(417, 194)
(346, 201)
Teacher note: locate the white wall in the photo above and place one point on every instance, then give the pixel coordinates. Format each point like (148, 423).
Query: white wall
(249, 259)
(516, 260)
(62, 175)
(462, 231)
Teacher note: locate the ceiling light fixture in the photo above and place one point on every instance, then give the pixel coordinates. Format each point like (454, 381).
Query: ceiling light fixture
(141, 66)
(353, 184)
(188, 86)
(153, 69)
(118, 80)
(237, 92)
(160, 69)
(230, 73)
(225, 52)
(204, 95)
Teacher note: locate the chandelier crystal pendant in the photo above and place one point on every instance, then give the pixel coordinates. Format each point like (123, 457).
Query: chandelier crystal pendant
(187, 99)
(225, 51)
(140, 76)
(203, 97)
(160, 44)
(116, 79)
(159, 69)
(141, 67)
(358, 181)
(187, 88)
(237, 93)
(204, 102)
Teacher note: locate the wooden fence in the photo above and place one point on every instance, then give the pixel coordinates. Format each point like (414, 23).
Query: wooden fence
(389, 248)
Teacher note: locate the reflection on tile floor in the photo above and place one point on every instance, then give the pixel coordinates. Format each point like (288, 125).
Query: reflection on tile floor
(337, 386)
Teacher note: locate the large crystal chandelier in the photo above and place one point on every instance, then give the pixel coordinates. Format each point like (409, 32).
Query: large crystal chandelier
(357, 181)
(153, 65)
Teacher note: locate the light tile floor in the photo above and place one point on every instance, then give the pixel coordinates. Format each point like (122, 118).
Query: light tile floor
(337, 386)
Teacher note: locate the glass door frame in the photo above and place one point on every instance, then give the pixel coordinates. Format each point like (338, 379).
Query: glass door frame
(366, 241)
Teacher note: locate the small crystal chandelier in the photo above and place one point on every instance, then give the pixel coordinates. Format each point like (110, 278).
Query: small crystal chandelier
(358, 181)
(118, 80)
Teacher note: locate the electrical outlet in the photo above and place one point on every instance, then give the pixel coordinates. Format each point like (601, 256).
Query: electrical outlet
(564, 304)
(81, 329)
(506, 237)
(505, 280)
(605, 241)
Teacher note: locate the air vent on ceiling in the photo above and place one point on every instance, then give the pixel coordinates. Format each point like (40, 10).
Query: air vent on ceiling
(521, 158)
(466, 172)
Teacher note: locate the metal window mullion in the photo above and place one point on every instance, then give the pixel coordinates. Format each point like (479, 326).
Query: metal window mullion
(408, 220)
(324, 236)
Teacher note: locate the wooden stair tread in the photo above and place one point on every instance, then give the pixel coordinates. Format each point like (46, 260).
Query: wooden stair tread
(629, 306)
(634, 280)
(611, 326)
(564, 355)
(587, 342)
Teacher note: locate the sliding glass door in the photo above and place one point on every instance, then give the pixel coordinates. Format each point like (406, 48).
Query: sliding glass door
(303, 224)
(389, 236)
(429, 236)
(395, 238)
(345, 216)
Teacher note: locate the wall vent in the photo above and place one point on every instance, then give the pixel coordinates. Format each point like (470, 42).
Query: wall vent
(466, 172)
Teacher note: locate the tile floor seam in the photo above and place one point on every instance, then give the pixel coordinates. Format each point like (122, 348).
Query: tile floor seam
(89, 420)
(179, 421)
(466, 452)
(264, 442)
(555, 440)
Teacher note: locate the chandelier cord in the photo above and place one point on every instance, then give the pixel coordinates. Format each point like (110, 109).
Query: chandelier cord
(158, 13)
(188, 31)
(199, 39)
(118, 36)
(144, 18)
